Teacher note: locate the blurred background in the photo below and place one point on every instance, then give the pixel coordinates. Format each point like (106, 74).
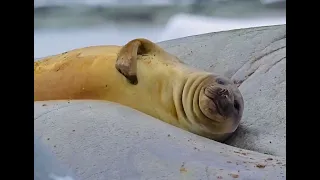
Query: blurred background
(61, 25)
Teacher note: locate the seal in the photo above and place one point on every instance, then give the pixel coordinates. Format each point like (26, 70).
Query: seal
(143, 76)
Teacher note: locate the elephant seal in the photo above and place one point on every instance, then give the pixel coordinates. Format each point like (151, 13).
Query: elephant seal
(145, 77)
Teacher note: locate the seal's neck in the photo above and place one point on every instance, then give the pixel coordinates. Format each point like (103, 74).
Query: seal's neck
(186, 98)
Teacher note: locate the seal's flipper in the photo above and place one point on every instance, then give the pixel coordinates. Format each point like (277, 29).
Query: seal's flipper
(126, 62)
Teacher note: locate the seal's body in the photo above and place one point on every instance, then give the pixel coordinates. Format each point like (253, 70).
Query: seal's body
(143, 76)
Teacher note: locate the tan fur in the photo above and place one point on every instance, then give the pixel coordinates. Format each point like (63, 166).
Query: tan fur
(166, 88)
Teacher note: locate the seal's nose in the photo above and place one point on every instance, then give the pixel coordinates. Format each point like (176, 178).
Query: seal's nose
(222, 98)
(222, 92)
(224, 102)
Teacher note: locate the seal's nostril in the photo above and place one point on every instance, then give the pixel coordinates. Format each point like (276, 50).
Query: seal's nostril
(236, 105)
(223, 92)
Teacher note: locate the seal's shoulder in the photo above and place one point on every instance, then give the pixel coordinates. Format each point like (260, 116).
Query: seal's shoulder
(97, 50)
(83, 54)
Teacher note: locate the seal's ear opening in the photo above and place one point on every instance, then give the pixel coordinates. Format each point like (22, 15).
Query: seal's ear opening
(126, 62)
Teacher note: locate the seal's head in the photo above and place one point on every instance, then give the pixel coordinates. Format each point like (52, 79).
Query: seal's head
(210, 105)
(221, 102)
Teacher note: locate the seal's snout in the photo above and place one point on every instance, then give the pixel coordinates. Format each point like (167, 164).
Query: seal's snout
(221, 101)
(224, 102)
(222, 98)
(223, 93)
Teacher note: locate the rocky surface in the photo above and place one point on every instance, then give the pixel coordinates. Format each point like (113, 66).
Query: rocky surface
(256, 59)
(100, 140)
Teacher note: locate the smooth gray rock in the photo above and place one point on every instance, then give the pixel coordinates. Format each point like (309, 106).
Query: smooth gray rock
(256, 58)
(101, 140)
(46, 165)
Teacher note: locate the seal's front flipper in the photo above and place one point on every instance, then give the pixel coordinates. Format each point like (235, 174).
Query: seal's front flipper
(126, 62)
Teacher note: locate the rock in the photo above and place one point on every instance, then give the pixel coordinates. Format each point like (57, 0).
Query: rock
(100, 140)
(255, 58)
(178, 25)
(46, 166)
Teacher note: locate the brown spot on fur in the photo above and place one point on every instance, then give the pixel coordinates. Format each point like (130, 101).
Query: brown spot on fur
(61, 66)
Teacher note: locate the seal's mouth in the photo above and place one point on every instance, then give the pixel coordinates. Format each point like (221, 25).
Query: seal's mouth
(220, 110)
(217, 106)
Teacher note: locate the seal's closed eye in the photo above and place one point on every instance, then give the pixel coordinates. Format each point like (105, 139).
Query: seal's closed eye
(220, 81)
